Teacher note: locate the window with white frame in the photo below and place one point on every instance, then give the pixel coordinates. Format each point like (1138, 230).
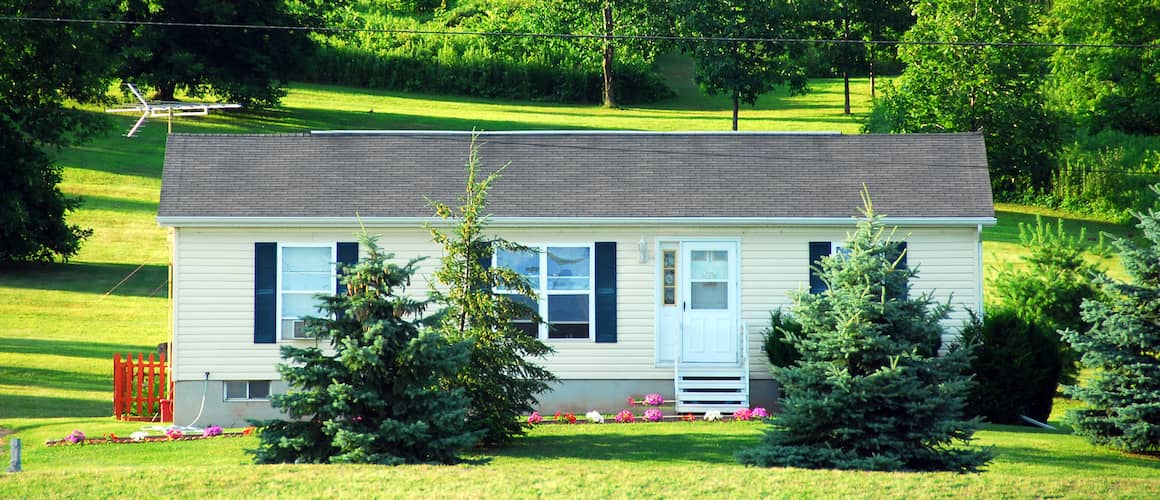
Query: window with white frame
(242, 390)
(561, 276)
(304, 271)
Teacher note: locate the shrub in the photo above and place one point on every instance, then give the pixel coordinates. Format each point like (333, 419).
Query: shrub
(776, 339)
(1016, 367)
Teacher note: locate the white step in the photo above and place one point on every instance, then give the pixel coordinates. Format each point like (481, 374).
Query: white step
(725, 409)
(710, 384)
(710, 396)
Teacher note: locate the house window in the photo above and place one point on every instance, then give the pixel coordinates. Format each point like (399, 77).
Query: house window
(304, 271)
(242, 390)
(669, 272)
(561, 276)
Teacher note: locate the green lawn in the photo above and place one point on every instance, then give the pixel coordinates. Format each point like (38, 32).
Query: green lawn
(60, 324)
(580, 461)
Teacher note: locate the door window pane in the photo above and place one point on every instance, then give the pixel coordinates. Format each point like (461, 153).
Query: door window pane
(709, 295)
(709, 264)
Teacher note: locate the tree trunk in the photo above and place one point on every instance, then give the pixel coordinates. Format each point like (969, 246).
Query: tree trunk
(846, 55)
(735, 106)
(165, 91)
(609, 50)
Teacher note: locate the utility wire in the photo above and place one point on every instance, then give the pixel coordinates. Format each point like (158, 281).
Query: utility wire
(518, 34)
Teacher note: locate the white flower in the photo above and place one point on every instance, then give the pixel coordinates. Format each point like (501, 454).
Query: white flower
(712, 415)
(139, 435)
(595, 417)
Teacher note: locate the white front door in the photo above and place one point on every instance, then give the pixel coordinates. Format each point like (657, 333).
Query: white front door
(709, 302)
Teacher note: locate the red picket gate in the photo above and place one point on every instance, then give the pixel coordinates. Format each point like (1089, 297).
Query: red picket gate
(142, 389)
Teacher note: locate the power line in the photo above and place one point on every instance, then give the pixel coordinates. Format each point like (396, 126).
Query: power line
(518, 34)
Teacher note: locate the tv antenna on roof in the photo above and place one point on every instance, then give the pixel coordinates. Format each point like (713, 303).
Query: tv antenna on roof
(166, 108)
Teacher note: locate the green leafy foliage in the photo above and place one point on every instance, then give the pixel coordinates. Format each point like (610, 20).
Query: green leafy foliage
(380, 397)
(1122, 349)
(1104, 88)
(42, 66)
(994, 89)
(248, 66)
(1051, 283)
(502, 378)
(871, 390)
(1107, 174)
(1017, 365)
(744, 69)
(564, 70)
(778, 339)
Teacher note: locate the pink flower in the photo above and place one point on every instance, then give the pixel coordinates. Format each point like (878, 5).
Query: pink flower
(759, 412)
(631, 401)
(535, 418)
(742, 414)
(212, 431)
(653, 415)
(654, 400)
(625, 416)
(174, 434)
(75, 437)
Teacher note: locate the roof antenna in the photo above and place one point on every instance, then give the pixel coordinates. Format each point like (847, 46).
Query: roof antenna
(165, 108)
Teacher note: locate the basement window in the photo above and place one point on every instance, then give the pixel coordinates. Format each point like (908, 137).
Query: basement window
(247, 390)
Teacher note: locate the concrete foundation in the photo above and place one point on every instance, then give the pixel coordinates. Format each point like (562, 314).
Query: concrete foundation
(576, 396)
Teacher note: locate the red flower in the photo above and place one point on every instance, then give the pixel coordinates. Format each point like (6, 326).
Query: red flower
(571, 418)
(247, 431)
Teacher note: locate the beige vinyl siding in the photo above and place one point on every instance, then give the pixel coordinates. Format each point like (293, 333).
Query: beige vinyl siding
(213, 289)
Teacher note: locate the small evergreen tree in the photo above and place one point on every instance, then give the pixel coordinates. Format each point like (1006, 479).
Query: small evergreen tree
(378, 398)
(501, 378)
(1122, 348)
(870, 391)
(1048, 288)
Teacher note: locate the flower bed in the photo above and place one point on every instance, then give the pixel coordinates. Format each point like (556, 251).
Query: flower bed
(655, 413)
(77, 437)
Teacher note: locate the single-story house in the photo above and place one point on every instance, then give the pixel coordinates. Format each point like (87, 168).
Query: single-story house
(662, 254)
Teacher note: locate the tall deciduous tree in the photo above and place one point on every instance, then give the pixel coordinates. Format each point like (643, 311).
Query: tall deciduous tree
(870, 390)
(861, 21)
(42, 66)
(1122, 350)
(608, 18)
(744, 69)
(1115, 88)
(380, 396)
(994, 88)
(502, 377)
(246, 65)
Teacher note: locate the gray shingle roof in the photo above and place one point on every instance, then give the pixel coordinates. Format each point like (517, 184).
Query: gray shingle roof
(578, 174)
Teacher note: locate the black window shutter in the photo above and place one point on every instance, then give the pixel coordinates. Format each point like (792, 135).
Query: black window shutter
(265, 288)
(900, 250)
(606, 291)
(347, 256)
(818, 249)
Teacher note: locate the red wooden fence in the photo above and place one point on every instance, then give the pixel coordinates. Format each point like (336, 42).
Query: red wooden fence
(140, 386)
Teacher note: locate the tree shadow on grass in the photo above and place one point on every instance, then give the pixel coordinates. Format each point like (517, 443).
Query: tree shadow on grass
(675, 448)
(69, 348)
(20, 406)
(88, 277)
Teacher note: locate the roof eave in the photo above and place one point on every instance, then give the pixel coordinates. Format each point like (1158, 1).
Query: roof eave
(248, 221)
